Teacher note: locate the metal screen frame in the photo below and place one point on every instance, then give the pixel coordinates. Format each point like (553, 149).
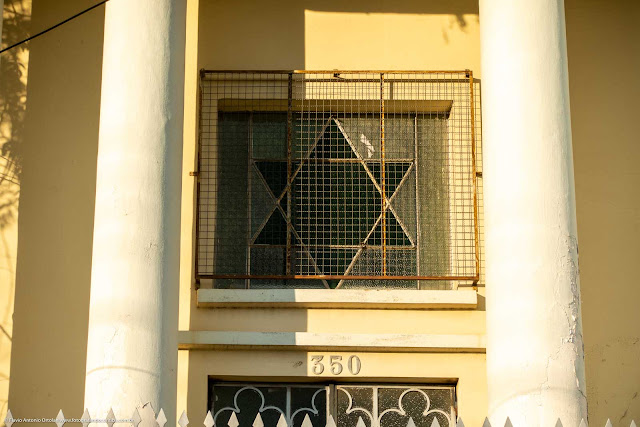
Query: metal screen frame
(387, 107)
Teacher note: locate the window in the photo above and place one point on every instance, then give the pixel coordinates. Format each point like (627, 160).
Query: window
(339, 181)
(317, 405)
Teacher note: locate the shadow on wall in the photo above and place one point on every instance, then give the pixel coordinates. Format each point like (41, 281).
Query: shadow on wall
(233, 34)
(57, 148)
(13, 91)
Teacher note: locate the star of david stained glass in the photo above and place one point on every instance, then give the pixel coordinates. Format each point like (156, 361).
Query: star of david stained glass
(308, 180)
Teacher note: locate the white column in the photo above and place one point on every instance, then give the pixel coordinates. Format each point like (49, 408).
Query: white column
(535, 359)
(133, 321)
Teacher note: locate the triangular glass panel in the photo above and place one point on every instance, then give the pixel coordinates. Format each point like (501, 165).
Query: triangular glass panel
(261, 202)
(404, 204)
(332, 261)
(364, 134)
(306, 128)
(395, 235)
(275, 174)
(274, 231)
(333, 145)
(393, 174)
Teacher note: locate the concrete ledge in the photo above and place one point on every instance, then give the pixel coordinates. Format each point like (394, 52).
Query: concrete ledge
(308, 341)
(337, 298)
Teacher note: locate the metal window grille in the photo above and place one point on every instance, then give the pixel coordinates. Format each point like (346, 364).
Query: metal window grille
(337, 405)
(337, 179)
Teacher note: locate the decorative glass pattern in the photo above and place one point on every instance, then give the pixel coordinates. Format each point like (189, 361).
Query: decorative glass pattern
(339, 405)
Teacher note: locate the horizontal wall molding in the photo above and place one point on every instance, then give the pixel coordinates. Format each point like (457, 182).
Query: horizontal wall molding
(309, 341)
(337, 298)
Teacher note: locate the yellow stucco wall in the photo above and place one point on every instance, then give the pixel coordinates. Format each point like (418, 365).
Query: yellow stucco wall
(13, 90)
(603, 39)
(52, 241)
(57, 191)
(332, 35)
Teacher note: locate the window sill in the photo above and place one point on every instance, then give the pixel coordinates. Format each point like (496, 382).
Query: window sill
(343, 298)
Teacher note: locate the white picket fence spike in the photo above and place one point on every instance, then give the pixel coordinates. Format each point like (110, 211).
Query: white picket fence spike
(233, 420)
(8, 420)
(147, 415)
(633, 424)
(135, 418)
(411, 423)
(183, 421)
(86, 418)
(608, 424)
(162, 419)
(283, 423)
(111, 418)
(330, 422)
(434, 423)
(307, 421)
(583, 423)
(558, 423)
(209, 422)
(360, 423)
(507, 423)
(486, 423)
(459, 423)
(60, 419)
(258, 421)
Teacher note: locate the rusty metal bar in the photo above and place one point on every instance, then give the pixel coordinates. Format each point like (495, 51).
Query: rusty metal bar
(343, 80)
(334, 71)
(196, 249)
(474, 176)
(382, 179)
(289, 167)
(250, 167)
(332, 277)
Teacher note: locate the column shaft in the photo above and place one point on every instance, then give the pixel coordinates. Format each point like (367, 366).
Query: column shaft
(132, 345)
(535, 359)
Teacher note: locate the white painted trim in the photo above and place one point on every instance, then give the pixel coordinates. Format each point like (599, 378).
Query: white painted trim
(309, 341)
(338, 298)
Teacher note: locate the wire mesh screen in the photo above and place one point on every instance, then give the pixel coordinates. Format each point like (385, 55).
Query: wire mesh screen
(337, 180)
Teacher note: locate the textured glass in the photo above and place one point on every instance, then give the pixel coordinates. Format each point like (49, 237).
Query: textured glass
(348, 404)
(354, 403)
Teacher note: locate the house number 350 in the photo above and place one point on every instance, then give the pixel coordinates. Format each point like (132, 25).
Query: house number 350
(336, 364)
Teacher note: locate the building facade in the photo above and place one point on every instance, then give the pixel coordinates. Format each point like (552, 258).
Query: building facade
(148, 174)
